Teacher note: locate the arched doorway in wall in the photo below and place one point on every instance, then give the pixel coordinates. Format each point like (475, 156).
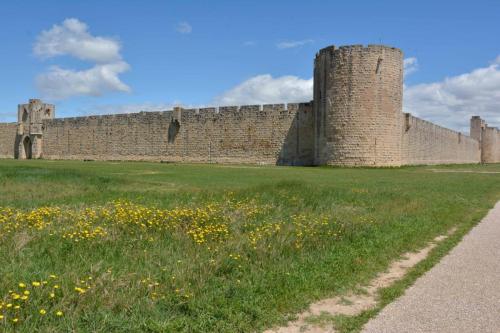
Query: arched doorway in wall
(27, 147)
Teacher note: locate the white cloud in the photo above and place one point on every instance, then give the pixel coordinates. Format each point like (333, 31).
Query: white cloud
(454, 100)
(60, 83)
(72, 38)
(410, 65)
(293, 43)
(449, 103)
(263, 89)
(184, 28)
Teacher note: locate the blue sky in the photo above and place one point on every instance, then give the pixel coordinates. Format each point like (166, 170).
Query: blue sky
(133, 55)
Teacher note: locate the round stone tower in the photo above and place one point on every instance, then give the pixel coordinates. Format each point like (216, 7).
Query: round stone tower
(358, 94)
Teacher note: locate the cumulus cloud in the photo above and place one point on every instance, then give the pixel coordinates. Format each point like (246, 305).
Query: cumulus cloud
(450, 102)
(184, 28)
(264, 89)
(293, 43)
(454, 100)
(410, 65)
(72, 38)
(60, 83)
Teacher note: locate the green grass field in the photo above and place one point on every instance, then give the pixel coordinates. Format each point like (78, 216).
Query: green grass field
(149, 247)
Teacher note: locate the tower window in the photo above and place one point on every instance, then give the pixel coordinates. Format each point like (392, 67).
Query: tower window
(379, 62)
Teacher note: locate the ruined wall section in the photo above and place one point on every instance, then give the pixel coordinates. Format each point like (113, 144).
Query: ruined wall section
(268, 134)
(8, 142)
(426, 143)
(490, 145)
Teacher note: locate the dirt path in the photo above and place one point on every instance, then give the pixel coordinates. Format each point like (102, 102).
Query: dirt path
(460, 294)
(353, 304)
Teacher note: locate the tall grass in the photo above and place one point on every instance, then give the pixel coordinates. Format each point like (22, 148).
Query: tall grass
(144, 247)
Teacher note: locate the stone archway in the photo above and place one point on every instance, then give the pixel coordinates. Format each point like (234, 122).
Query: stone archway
(27, 148)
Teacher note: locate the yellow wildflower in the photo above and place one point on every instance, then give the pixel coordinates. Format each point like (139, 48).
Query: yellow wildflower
(42, 311)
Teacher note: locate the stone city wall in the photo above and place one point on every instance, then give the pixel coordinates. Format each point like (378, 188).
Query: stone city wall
(491, 145)
(358, 102)
(267, 134)
(426, 143)
(8, 141)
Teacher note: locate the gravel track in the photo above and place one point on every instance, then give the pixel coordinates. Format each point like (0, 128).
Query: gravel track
(460, 294)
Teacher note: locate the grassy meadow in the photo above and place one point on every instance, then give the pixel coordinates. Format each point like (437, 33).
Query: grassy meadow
(150, 247)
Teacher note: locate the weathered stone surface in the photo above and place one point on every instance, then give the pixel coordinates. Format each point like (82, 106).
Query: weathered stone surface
(358, 101)
(29, 143)
(355, 119)
(246, 134)
(426, 143)
(8, 134)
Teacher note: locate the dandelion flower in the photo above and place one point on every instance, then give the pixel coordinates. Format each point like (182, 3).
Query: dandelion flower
(35, 284)
(59, 313)
(22, 285)
(42, 311)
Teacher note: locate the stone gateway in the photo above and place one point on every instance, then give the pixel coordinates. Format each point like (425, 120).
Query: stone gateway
(355, 119)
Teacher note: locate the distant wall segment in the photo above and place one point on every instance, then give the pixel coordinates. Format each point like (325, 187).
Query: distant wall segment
(426, 143)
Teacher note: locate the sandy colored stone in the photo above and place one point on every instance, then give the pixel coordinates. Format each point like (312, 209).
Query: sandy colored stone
(355, 119)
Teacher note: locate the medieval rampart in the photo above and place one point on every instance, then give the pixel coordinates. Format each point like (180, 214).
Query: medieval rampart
(491, 145)
(7, 140)
(426, 143)
(267, 134)
(355, 119)
(358, 93)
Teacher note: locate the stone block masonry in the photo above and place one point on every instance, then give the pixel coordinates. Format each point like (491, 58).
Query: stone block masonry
(267, 134)
(426, 143)
(358, 94)
(355, 119)
(8, 133)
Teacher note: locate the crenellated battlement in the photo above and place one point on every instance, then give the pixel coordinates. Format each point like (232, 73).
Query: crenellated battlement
(355, 119)
(213, 112)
